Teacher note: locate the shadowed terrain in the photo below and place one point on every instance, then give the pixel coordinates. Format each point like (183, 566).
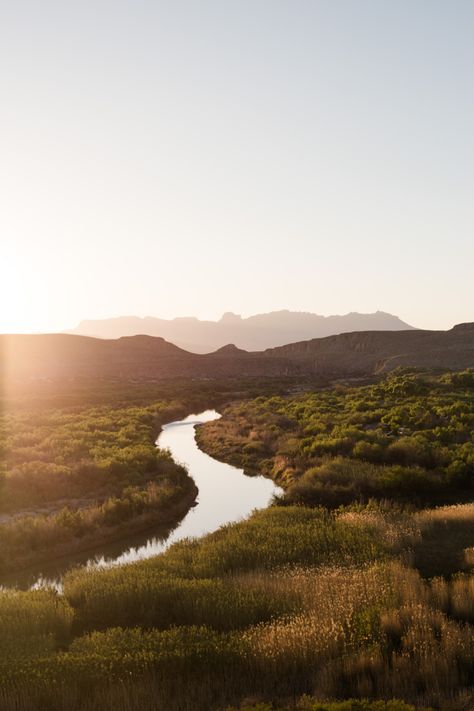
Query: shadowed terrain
(357, 354)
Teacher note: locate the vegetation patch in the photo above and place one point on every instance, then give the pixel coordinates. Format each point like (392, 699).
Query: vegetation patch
(348, 597)
(79, 466)
(408, 438)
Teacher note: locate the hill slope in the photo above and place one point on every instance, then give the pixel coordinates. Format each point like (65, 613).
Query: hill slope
(371, 352)
(144, 357)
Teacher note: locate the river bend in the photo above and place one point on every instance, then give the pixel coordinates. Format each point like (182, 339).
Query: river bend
(225, 495)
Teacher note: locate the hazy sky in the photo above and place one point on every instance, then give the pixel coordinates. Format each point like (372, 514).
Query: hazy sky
(188, 158)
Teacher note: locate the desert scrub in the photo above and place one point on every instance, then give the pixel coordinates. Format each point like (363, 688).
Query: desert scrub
(340, 481)
(54, 454)
(29, 539)
(410, 437)
(78, 459)
(295, 600)
(92, 438)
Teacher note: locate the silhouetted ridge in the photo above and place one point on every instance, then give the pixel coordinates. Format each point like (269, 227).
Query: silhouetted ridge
(230, 349)
(463, 328)
(254, 333)
(154, 344)
(357, 354)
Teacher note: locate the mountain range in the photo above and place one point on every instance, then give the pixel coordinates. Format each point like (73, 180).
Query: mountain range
(252, 334)
(357, 354)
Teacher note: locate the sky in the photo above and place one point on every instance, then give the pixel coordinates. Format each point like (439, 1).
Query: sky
(189, 158)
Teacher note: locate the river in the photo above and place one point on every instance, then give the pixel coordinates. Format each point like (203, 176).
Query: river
(225, 495)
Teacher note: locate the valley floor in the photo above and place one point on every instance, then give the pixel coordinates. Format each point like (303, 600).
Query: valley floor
(356, 584)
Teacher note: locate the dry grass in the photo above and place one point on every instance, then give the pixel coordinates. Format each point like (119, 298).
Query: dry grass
(447, 537)
(270, 608)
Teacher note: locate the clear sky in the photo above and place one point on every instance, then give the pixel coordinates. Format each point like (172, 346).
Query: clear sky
(193, 157)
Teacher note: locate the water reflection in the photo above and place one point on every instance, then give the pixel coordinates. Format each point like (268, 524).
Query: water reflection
(225, 495)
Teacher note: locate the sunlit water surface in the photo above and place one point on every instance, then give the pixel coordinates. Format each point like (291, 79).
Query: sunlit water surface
(225, 495)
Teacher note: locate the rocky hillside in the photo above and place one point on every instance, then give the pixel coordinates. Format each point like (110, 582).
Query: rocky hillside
(360, 353)
(372, 352)
(133, 357)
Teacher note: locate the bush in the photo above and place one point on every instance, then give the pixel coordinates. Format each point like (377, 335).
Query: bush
(343, 481)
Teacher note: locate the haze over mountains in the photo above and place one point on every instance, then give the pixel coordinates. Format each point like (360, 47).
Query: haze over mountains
(255, 333)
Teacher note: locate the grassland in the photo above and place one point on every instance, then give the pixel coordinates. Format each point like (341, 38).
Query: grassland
(311, 604)
(291, 602)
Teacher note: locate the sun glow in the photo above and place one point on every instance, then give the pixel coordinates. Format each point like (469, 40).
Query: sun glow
(21, 293)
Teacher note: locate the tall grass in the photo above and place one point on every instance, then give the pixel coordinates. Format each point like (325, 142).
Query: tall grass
(190, 580)
(308, 704)
(161, 601)
(447, 537)
(292, 601)
(33, 623)
(376, 631)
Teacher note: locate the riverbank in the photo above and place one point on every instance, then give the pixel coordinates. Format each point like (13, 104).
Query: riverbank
(225, 495)
(407, 438)
(60, 553)
(80, 471)
(290, 601)
(286, 601)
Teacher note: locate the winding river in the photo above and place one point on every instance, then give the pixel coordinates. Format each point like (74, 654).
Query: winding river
(225, 495)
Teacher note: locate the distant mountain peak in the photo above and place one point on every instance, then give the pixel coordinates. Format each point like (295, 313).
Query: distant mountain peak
(230, 317)
(253, 333)
(230, 349)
